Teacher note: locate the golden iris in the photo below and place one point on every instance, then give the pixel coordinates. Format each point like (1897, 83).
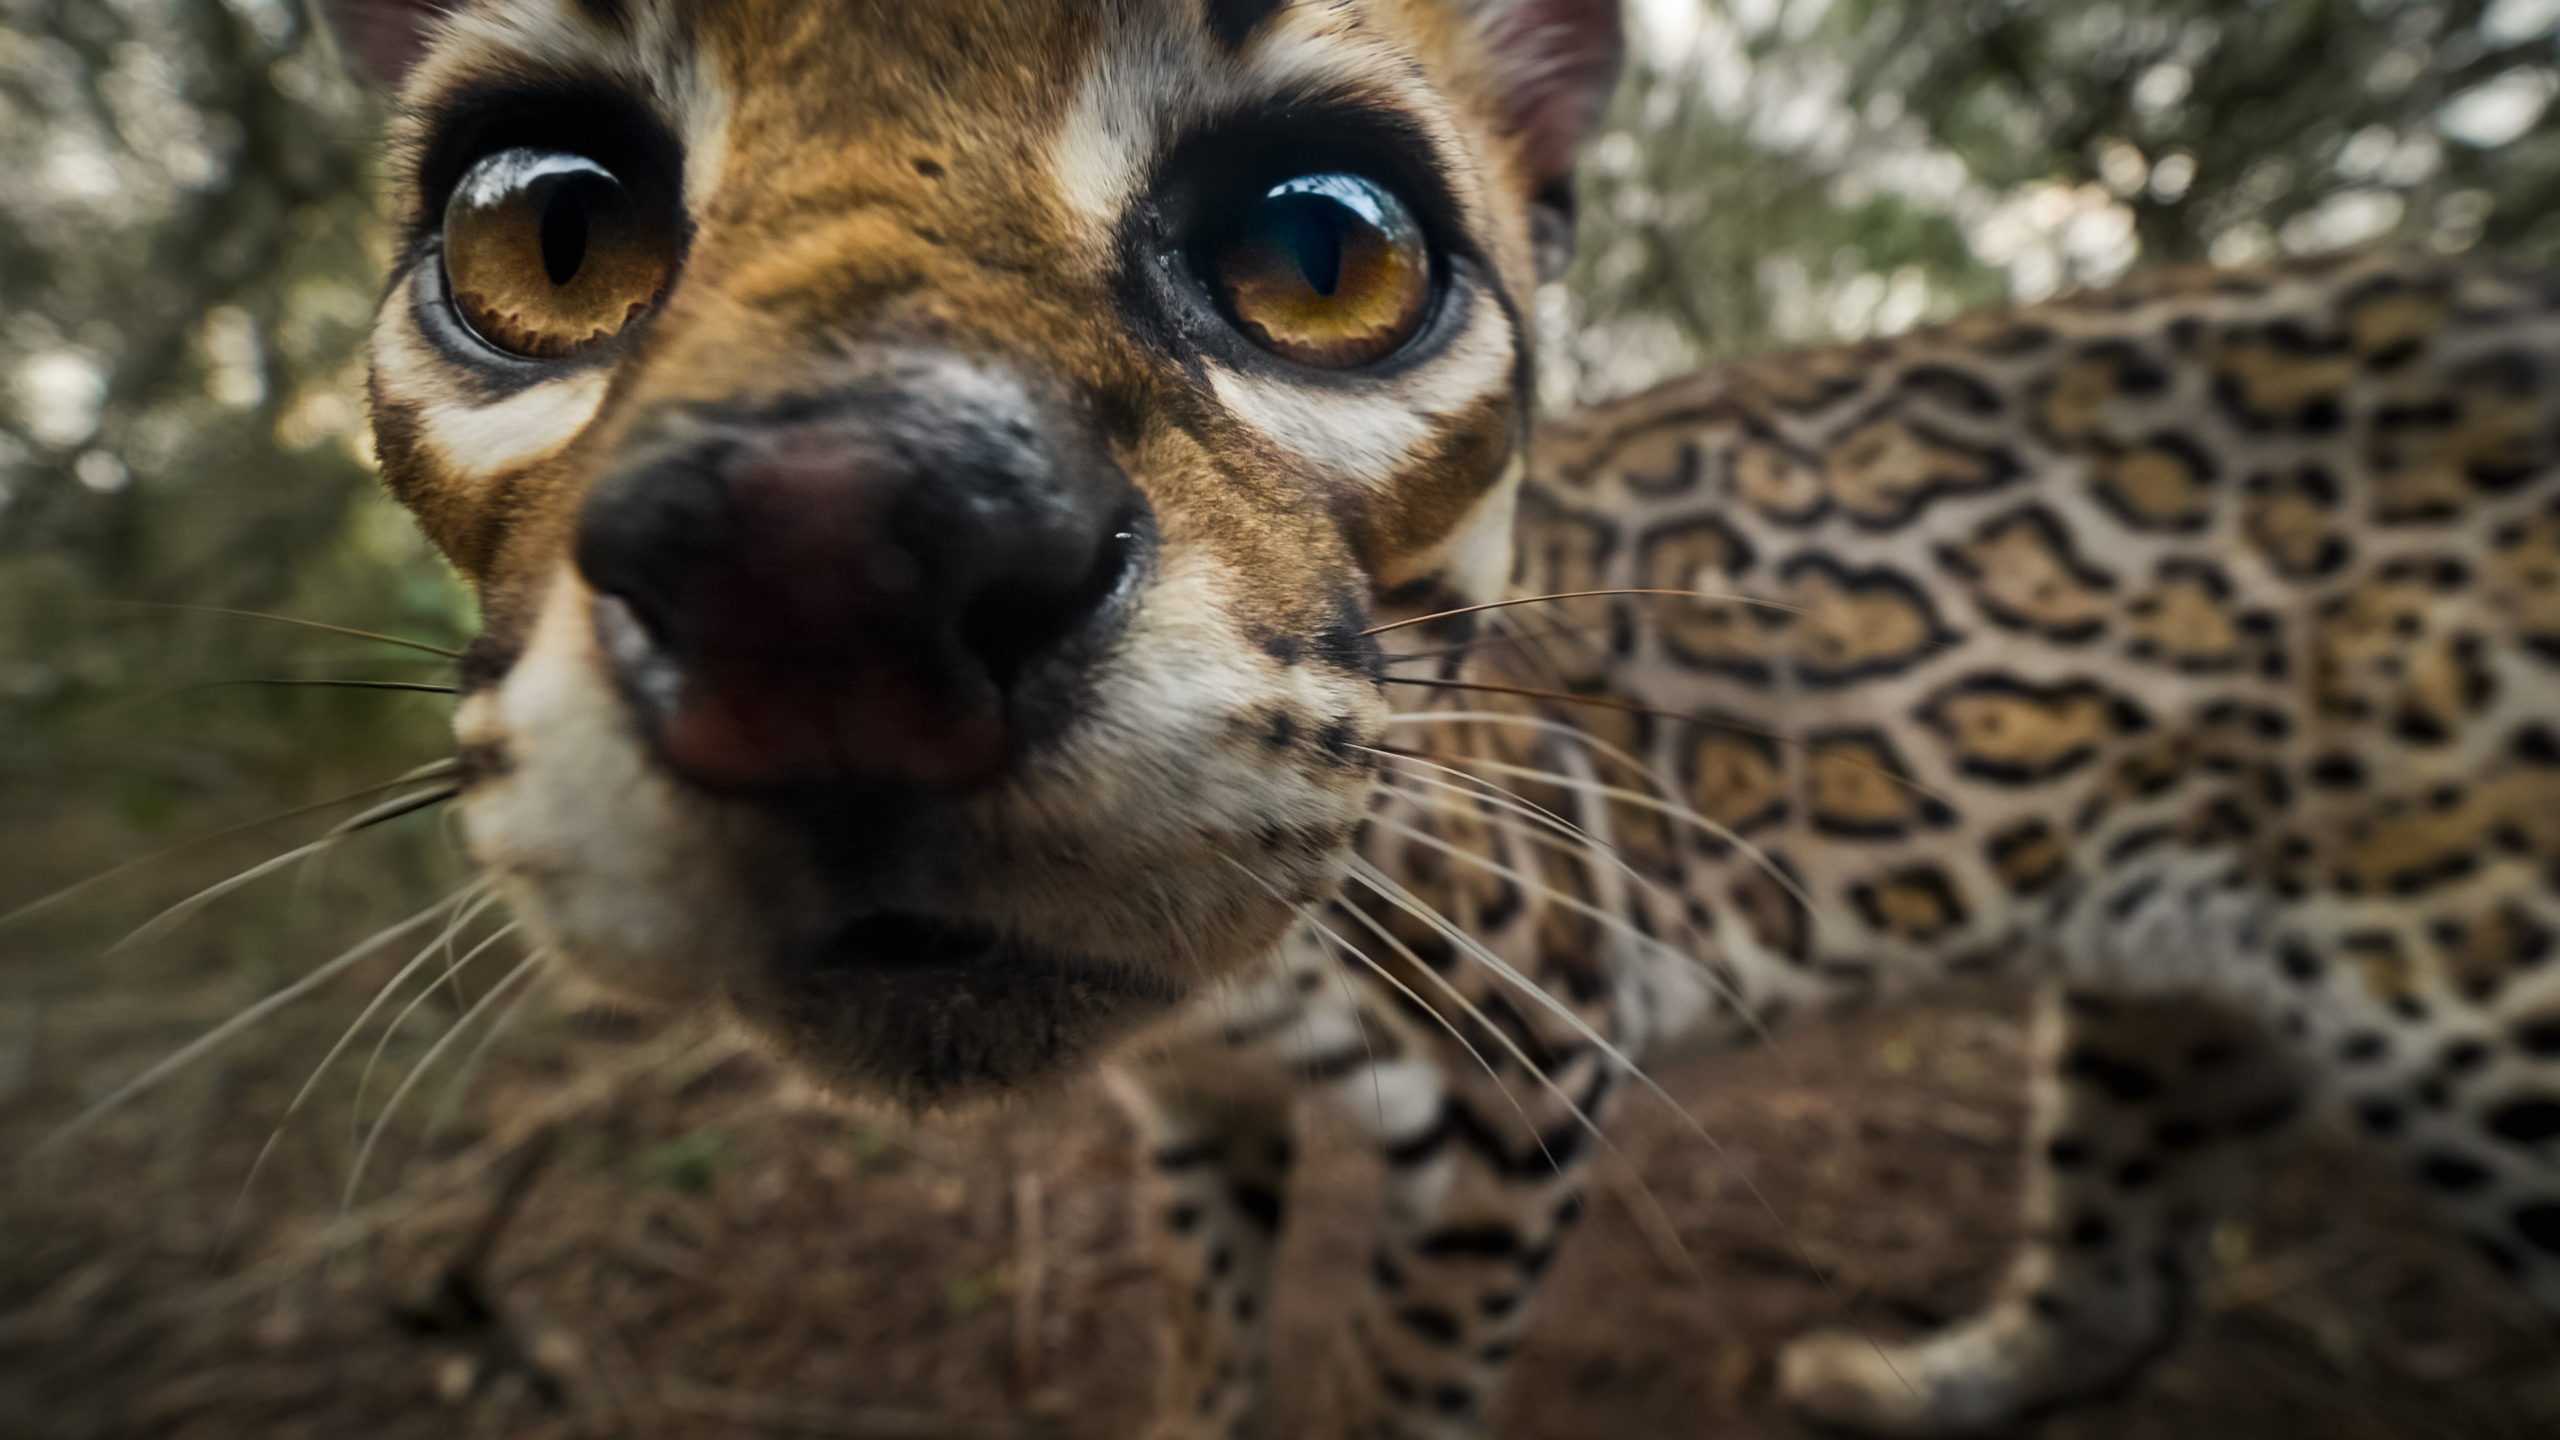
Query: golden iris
(547, 253)
(1330, 271)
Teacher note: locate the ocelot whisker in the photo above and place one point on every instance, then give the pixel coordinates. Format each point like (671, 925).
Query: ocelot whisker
(1476, 1014)
(1493, 637)
(205, 1043)
(1518, 877)
(1386, 886)
(178, 914)
(1752, 600)
(1567, 697)
(1405, 990)
(406, 644)
(1500, 795)
(430, 771)
(469, 1072)
(1393, 892)
(1722, 834)
(1534, 652)
(1720, 978)
(1569, 838)
(1342, 978)
(410, 686)
(364, 1156)
(382, 1043)
(1511, 800)
(467, 903)
(1363, 871)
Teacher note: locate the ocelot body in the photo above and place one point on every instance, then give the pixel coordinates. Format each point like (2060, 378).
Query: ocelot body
(2186, 649)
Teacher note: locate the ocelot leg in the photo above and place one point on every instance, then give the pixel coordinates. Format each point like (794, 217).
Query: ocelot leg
(1220, 1171)
(2149, 1121)
(1477, 1204)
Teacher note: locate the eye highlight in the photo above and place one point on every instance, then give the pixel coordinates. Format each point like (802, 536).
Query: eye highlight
(548, 254)
(1330, 271)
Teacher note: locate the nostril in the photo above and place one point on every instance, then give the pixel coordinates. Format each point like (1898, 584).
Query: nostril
(877, 583)
(649, 544)
(1011, 623)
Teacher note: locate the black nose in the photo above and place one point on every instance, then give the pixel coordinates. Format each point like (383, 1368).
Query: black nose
(861, 585)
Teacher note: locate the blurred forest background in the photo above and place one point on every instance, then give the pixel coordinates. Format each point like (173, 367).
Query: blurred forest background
(189, 242)
(189, 245)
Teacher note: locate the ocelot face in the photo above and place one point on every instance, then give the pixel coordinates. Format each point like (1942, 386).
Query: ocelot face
(928, 467)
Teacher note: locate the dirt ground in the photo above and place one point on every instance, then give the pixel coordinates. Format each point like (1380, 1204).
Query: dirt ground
(617, 1229)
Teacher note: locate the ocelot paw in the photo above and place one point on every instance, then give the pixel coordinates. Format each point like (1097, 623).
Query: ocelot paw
(1977, 1377)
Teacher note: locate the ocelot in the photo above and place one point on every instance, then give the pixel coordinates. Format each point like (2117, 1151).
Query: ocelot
(1012, 538)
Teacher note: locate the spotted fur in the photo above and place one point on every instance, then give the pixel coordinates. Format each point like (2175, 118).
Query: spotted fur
(2192, 648)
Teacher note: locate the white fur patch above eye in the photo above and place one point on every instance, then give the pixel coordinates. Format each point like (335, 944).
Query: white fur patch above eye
(1109, 140)
(1157, 75)
(655, 56)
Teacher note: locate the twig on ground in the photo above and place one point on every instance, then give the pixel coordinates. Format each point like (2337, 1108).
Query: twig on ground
(1030, 1279)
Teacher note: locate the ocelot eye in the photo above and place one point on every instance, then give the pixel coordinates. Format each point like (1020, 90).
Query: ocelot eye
(548, 253)
(1330, 271)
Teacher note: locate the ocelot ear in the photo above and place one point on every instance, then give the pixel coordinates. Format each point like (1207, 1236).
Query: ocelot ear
(384, 37)
(1556, 62)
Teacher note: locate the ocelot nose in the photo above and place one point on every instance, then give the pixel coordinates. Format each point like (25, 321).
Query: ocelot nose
(896, 581)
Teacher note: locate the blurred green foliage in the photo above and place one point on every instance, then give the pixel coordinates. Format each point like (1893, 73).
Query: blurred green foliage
(187, 258)
(189, 246)
(690, 1163)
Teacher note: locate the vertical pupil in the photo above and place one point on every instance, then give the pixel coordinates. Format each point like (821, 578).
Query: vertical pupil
(564, 234)
(1309, 227)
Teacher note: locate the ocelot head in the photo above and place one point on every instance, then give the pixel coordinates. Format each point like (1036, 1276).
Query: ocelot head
(927, 468)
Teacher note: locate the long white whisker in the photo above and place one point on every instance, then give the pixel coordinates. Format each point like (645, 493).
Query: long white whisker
(469, 1072)
(1534, 886)
(1496, 633)
(462, 903)
(1396, 894)
(452, 975)
(1517, 600)
(1590, 1126)
(1473, 1013)
(1674, 809)
(1572, 839)
(204, 1043)
(1616, 924)
(469, 903)
(432, 770)
(178, 914)
(1377, 1084)
(1407, 991)
(426, 1062)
